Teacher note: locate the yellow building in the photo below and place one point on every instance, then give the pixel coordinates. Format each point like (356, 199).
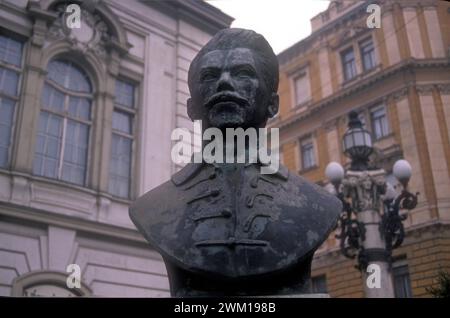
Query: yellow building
(397, 77)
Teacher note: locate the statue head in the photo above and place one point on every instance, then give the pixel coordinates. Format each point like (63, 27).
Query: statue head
(233, 81)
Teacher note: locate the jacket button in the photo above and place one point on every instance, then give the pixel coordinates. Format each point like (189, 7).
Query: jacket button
(227, 212)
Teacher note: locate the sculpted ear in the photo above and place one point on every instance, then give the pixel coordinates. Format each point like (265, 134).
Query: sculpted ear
(192, 111)
(274, 103)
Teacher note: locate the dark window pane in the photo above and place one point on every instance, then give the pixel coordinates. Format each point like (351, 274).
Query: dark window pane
(367, 54)
(120, 166)
(52, 99)
(69, 76)
(48, 145)
(402, 284)
(302, 90)
(80, 107)
(308, 159)
(75, 152)
(124, 94)
(348, 64)
(6, 110)
(319, 284)
(10, 51)
(380, 127)
(122, 122)
(9, 81)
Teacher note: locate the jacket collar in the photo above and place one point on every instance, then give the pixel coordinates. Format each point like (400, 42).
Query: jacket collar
(191, 169)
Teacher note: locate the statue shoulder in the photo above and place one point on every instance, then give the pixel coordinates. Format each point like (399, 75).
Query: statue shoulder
(317, 194)
(147, 209)
(161, 197)
(186, 173)
(161, 205)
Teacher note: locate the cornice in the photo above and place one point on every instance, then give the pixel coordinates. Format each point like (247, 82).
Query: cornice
(443, 88)
(10, 210)
(197, 12)
(425, 89)
(36, 12)
(409, 65)
(305, 44)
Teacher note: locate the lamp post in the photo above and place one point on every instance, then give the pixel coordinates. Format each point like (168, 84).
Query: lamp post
(370, 223)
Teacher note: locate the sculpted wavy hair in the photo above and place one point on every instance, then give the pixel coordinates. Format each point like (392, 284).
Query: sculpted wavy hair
(241, 38)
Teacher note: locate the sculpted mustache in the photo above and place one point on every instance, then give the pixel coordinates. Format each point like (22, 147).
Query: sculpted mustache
(225, 97)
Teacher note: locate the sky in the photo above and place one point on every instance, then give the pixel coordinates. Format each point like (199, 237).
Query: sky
(282, 22)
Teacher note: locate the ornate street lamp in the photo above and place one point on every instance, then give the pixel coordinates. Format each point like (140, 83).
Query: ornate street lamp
(357, 143)
(370, 224)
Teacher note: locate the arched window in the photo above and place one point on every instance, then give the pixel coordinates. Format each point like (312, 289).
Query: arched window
(64, 124)
(47, 284)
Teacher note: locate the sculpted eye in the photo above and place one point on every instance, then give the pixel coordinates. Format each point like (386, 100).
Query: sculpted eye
(208, 76)
(245, 72)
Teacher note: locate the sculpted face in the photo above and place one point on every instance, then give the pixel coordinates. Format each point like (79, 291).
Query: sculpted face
(229, 90)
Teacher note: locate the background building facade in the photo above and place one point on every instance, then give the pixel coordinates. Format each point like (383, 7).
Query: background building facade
(86, 116)
(398, 78)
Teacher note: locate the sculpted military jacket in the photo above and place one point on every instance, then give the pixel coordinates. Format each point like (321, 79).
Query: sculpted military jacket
(231, 221)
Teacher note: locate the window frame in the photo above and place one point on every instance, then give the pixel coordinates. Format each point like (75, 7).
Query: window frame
(46, 277)
(372, 110)
(354, 42)
(401, 263)
(302, 143)
(319, 278)
(302, 74)
(66, 116)
(16, 99)
(342, 54)
(366, 113)
(374, 57)
(131, 111)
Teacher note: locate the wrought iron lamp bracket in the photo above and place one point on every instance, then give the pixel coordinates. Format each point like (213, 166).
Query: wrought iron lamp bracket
(364, 190)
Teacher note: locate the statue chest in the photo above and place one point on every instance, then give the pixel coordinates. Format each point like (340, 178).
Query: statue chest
(232, 207)
(233, 219)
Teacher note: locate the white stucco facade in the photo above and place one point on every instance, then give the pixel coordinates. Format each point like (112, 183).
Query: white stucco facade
(45, 223)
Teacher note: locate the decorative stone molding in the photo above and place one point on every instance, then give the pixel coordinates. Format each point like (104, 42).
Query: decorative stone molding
(399, 94)
(20, 190)
(388, 8)
(425, 89)
(52, 197)
(100, 33)
(299, 70)
(41, 18)
(344, 22)
(103, 207)
(444, 88)
(331, 125)
(92, 36)
(46, 218)
(365, 189)
(410, 6)
(46, 284)
(413, 4)
(354, 30)
(428, 4)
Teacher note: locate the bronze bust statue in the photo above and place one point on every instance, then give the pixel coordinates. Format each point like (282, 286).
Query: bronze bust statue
(225, 229)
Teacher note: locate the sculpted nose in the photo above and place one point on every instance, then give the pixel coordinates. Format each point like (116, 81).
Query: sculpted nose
(225, 83)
